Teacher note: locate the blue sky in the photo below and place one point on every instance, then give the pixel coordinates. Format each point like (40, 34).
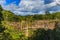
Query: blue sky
(11, 1)
(48, 1)
(30, 7)
(18, 1)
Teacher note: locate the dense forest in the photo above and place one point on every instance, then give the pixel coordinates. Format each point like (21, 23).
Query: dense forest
(11, 33)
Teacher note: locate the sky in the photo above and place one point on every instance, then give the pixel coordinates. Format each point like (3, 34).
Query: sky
(30, 7)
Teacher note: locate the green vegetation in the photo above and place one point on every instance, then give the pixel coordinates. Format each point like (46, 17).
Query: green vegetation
(12, 33)
(42, 34)
(11, 17)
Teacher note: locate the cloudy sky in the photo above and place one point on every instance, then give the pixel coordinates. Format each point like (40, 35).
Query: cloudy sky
(30, 7)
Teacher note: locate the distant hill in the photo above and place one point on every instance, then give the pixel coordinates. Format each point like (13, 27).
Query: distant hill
(16, 27)
(9, 16)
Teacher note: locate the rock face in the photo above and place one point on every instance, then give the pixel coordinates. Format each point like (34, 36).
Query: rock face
(57, 26)
(33, 25)
(44, 24)
(25, 26)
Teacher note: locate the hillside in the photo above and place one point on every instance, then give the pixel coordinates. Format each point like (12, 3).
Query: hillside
(16, 27)
(28, 20)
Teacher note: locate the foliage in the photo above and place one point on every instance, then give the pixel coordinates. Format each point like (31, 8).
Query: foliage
(11, 33)
(42, 34)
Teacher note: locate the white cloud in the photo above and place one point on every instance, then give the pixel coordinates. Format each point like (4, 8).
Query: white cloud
(2, 2)
(31, 7)
(26, 7)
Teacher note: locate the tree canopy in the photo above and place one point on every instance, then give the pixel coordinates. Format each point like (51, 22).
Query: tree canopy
(11, 33)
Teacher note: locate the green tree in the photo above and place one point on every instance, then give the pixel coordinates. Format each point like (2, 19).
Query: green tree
(1, 26)
(47, 15)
